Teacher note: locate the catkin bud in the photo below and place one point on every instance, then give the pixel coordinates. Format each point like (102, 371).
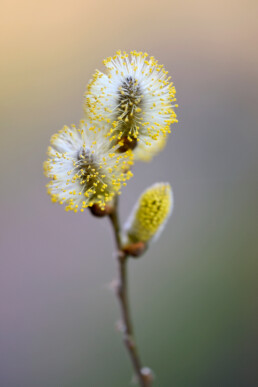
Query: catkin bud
(150, 214)
(99, 211)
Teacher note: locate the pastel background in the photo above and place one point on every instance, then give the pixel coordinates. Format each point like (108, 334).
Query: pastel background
(194, 294)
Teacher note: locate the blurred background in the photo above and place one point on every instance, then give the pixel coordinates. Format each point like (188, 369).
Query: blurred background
(194, 294)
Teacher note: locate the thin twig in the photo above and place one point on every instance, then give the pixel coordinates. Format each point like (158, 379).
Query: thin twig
(122, 293)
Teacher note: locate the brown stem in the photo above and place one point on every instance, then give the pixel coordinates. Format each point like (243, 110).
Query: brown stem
(122, 293)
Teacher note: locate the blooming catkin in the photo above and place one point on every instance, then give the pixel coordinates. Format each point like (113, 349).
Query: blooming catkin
(150, 213)
(128, 113)
(83, 170)
(135, 97)
(146, 153)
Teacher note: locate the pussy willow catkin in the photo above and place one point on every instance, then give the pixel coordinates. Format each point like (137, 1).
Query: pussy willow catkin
(128, 110)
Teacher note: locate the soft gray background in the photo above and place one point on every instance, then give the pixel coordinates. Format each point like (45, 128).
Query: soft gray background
(194, 294)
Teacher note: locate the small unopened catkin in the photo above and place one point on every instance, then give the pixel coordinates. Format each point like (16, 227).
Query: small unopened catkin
(150, 214)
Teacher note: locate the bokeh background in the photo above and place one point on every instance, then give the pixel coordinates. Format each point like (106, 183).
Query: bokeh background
(194, 294)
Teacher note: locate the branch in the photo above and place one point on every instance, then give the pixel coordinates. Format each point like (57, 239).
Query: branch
(122, 293)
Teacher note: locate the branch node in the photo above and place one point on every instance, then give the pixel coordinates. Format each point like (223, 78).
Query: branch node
(148, 375)
(135, 249)
(121, 255)
(129, 341)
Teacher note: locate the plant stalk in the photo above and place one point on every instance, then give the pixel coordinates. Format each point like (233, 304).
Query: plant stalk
(122, 293)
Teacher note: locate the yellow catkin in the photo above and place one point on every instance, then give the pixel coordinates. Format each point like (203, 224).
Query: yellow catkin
(135, 96)
(146, 153)
(82, 170)
(150, 214)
